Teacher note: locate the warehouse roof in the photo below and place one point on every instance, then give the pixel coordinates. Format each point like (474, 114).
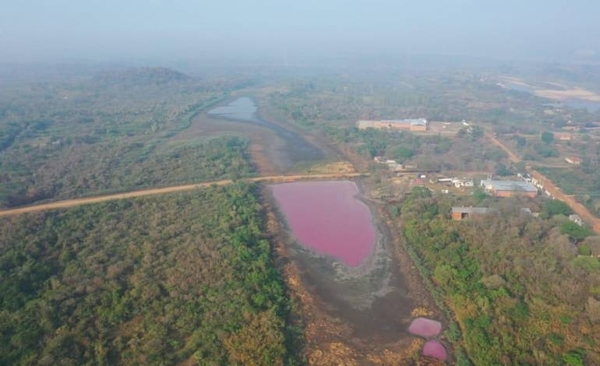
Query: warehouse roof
(471, 210)
(412, 122)
(509, 185)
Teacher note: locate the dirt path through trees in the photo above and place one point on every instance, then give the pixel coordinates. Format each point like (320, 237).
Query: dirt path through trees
(555, 191)
(172, 189)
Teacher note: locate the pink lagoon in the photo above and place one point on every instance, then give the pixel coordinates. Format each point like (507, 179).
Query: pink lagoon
(425, 327)
(435, 349)
(328, 218)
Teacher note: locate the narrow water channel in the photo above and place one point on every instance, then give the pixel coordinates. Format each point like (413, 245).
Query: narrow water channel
(296, 148)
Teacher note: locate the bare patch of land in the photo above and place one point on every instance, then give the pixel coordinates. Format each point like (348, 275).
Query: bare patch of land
(575, 93)
(556, 91)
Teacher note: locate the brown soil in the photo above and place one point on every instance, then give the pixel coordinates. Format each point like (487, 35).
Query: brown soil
(576, 93)
(562, 92)
(511, 155)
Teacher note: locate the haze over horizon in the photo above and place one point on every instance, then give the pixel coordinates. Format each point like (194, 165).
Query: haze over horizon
(68, 30)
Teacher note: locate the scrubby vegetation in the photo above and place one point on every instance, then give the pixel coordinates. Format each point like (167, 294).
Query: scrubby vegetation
(518, 288)
(427, 152)
(112, 133)
(159, 281)
(582, 182)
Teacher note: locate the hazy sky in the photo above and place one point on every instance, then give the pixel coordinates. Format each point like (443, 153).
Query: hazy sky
(63, 30)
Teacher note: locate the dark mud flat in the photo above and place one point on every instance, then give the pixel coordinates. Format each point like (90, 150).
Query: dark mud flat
(371, 298)
(293, 149)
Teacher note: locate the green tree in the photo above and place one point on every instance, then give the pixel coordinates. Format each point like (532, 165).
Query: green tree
(555, 207)
(403, 153)
(574, 231)
(477, 132)
(502, 170)
(547, 137)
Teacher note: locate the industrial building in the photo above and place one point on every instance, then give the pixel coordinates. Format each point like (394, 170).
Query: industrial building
(414, 125)
(461, 213)
(508, 188)
(573, 160)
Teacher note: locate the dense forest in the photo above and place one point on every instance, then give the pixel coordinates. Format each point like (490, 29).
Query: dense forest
(160, 281)
(523, 290)
(117, 131)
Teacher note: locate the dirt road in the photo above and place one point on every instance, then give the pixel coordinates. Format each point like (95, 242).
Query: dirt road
(577, 207)
(172, 189)
(511, 155)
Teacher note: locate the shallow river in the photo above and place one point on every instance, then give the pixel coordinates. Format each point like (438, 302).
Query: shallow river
(297, 149)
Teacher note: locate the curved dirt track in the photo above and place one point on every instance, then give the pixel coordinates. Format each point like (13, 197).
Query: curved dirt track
(165, 190)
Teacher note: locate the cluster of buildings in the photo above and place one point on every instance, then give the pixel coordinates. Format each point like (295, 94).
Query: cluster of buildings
(393, 165)
(457, 182)
(536, 183)
(414, 125)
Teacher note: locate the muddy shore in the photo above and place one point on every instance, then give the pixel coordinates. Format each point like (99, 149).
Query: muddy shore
(354, 316)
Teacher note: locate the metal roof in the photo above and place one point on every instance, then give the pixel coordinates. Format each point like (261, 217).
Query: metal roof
(412, 122)
(510, 185)
(471, 210)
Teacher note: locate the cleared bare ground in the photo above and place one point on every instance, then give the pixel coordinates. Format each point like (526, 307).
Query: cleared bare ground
(557, 91)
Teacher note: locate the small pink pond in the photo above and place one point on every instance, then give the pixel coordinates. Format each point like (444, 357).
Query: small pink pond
(435, 349)
(328, 218)
(425, 327)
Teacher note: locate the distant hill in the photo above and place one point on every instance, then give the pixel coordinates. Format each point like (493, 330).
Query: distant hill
(142, 76)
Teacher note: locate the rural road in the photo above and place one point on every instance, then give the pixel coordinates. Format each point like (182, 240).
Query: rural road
(555, 191)
(511, 155)
(172, 189)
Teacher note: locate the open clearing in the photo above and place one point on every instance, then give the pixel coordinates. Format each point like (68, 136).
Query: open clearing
(561, 92)
(575, 93)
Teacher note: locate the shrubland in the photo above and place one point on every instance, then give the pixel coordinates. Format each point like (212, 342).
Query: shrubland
(521, 291)
(163, 280)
